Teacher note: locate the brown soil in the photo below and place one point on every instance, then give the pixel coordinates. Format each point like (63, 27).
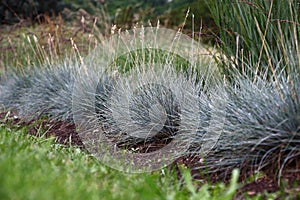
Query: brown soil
(65, 133)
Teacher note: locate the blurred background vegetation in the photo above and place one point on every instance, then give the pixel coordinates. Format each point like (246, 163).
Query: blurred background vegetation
(256, 35)
(51, 27)
(170, 13)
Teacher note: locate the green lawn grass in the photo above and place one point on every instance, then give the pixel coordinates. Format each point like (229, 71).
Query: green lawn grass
(38, 168)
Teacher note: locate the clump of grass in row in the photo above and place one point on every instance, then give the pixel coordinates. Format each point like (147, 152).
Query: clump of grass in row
(260, 41)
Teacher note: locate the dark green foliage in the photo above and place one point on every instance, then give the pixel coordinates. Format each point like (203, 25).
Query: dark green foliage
(12, 11)
(91, 7)
(126, 62)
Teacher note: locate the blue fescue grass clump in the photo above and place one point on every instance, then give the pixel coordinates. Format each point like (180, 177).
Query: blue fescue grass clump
(261, 128)
(260, 44)
(40, 91)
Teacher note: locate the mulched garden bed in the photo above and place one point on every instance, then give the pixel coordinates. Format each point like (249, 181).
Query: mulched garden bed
(65, 133)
